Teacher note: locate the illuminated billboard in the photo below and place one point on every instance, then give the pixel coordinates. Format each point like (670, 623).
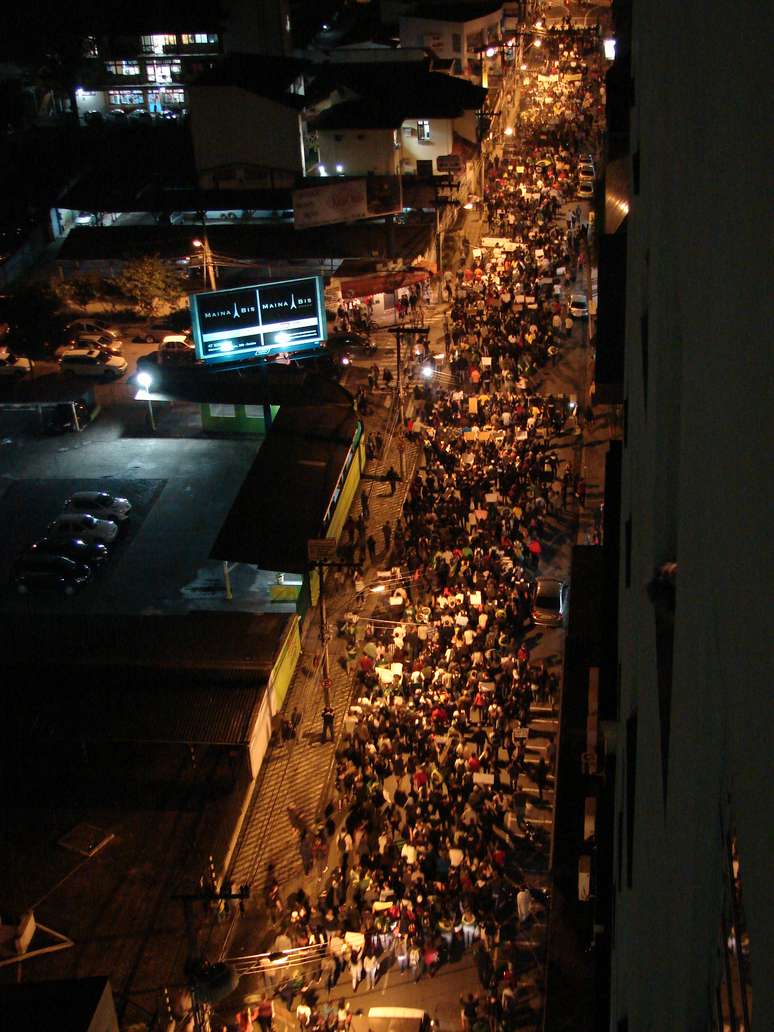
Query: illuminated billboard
(261, 321)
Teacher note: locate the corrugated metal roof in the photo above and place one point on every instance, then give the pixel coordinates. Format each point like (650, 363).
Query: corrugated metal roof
(287, 490)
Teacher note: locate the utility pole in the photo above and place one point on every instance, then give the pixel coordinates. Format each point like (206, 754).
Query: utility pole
(399, 331)
(326, 666)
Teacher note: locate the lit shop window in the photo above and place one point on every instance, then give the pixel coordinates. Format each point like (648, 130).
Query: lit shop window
(121, 97)
(173, 98)
(161, 71)
(423, 130)
(198, 38)
(123, 67)
(156, 44)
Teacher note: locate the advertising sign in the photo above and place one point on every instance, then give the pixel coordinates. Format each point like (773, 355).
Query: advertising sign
(260, 321)
(339, 201)
(346, 200)
(450, 163)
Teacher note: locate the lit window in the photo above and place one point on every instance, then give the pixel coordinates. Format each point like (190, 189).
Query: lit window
(161, 71)
(166, 97)
(189, 39)
(157, 44)
(121, 97)
(423, 130)
(123, 67)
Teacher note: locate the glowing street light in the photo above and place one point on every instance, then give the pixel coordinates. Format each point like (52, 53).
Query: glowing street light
(609, 45)
(508, 130)
(145, 380)
(537, 42)
(427, 372)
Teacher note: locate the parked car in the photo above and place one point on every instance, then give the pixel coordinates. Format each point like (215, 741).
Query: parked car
(91, 553)
(176, 348)
(13, 366)
(585, 189)
(586, 171)
(77, 327)
(579, 306)
(110, 345)
(549, 602)
(101, 504)
(84, 526)
(62, 419)
(93, 362)
(41, 572)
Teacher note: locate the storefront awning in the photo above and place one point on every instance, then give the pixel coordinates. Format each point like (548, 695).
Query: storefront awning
(382, 283)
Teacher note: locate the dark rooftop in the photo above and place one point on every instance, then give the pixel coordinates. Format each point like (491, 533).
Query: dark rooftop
(69, 1003)
(279, 241)
(262, 74)
(462, 12)
(195, 679)
(408, 87)
(286, 492)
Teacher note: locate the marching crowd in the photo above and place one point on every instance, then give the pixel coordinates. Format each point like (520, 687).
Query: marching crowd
(428, 840)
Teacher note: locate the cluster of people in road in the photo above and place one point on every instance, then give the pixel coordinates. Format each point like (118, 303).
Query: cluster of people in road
(446, 758)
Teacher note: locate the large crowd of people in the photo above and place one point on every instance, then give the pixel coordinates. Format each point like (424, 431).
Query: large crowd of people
(426, 850)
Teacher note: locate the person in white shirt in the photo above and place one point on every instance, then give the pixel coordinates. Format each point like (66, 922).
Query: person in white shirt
(524, 903)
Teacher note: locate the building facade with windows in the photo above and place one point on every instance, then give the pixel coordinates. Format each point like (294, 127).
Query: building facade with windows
(458, 32)
(148, 81)
(693, 928)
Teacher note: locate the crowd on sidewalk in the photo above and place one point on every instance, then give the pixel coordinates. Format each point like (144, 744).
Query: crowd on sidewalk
(427, 849)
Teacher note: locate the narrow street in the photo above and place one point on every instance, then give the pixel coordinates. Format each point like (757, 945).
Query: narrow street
(300, 776)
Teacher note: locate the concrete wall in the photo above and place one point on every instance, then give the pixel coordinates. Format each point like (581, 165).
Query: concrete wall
(695, 490)
(359, 151)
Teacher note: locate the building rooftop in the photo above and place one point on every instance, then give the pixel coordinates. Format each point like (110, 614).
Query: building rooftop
(69, 1003)
(287, 491)
(265, 75)
(461, 12)
(388, 94)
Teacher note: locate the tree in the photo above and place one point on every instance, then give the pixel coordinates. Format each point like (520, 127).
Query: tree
(33, 314)
(78, 291)
(150, 283)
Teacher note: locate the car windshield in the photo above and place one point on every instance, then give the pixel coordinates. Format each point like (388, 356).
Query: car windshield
(548, 602)
(89, 521)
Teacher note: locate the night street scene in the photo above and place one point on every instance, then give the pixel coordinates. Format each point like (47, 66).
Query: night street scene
(368, 371)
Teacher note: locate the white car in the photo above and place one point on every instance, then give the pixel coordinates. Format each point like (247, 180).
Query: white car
(101, 504)
(550, 601)
(579, 306)
(84, 526)
(586, 189)
(13, 366)
(586, 171)
(93, 362)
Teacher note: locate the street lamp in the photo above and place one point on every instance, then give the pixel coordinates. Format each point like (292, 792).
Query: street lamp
(145, 380)
(208, 265)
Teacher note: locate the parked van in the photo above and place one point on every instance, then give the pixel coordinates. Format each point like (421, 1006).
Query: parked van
(93, 362)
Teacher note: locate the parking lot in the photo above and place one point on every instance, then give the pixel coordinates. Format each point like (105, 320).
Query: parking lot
(180, 490)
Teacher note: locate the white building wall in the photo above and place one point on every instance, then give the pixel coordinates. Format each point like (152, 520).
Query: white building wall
(359, 151)
(414, 149)
(441, 35)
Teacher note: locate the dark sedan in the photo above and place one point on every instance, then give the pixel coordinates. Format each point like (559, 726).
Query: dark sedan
(92, 553)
